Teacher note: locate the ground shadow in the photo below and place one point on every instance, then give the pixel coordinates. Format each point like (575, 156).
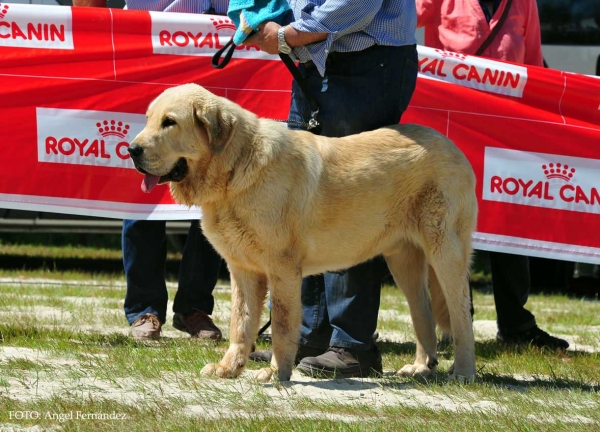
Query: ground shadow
(524, 384)
(486, 350)
(489, 350)
(389, 380)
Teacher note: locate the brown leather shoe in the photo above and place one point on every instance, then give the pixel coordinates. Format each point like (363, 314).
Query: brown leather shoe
(146, 327)
(198, 324)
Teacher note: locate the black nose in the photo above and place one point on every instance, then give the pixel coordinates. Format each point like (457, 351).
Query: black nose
(135, 150)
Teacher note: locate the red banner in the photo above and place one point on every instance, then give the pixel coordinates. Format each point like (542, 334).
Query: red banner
(76, 83)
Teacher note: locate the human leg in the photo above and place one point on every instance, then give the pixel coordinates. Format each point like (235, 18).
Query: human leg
(198, 275)
(144, 254)
(511, 283)
(315, 330)
(362, 91)
(550, 275)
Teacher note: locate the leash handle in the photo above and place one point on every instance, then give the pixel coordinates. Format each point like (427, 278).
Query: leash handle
(228, 55)
(218, 54)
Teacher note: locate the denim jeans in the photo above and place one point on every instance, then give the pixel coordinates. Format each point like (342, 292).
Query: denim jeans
(144, 245)
(361, 91)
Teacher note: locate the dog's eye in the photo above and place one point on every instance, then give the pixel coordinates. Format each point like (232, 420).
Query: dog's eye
(168, 122)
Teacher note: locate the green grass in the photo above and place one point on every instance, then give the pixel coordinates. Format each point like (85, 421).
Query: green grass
(60, 251)
(64, 349)
(72, 275)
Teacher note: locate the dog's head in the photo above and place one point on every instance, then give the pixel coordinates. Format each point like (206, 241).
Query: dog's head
(186, 126)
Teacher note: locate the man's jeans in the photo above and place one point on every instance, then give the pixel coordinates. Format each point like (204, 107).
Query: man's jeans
(144, 245)
(362, 91)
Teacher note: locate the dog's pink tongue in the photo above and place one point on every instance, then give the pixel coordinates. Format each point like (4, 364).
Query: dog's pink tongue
(149, 182)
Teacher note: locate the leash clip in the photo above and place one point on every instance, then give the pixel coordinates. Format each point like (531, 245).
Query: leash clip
(313, 122)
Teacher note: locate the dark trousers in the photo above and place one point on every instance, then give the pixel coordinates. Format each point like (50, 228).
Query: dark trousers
(511, 281)
(361, 91)
(144, 245)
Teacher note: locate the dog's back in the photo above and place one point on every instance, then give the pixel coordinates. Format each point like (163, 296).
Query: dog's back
(384, 186)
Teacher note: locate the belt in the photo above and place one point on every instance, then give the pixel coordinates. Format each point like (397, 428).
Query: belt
(309, 65)
(336, 56)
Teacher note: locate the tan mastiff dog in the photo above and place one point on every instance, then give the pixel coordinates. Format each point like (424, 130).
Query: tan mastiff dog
(279, 205)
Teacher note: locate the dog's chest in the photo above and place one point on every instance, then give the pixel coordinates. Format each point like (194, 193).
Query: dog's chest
(234, 237)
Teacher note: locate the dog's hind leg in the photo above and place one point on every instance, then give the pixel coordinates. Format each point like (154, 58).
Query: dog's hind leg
(409, 269)
(439, 306)
(248, 293)
(451, 263)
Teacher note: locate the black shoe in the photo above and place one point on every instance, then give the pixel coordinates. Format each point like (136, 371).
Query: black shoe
(343, 363)
(261, 356)
(303, 351)
(536, 337)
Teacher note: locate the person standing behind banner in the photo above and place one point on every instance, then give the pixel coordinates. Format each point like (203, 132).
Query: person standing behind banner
(462, 26)
(144, 242)
(359, 60)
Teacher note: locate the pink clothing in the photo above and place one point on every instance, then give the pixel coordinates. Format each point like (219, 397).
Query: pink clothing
(460, 26)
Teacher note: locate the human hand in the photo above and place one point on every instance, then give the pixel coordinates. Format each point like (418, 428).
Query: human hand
(265, 38)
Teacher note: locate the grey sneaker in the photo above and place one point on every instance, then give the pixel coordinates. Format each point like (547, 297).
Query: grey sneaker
(198, 324)
(146, 327)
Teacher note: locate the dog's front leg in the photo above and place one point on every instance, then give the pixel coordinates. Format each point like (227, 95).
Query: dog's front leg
(286, 312)
(248, 293)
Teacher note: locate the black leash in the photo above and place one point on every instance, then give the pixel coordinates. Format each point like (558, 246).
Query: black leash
(266, 326)
(217, 56)
(229, 48)
(314, 106)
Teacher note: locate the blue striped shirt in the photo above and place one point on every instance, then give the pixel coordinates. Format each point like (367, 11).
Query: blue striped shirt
(184, 6)
(353, 25)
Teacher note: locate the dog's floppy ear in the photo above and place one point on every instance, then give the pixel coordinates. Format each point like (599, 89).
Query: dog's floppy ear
(219, 125)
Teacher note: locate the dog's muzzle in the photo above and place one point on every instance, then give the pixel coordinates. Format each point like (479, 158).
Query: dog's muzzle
(178, 172)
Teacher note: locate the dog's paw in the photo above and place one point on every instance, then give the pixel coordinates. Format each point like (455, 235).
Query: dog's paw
(215, 369)
(462, 379)
(263, 375)
(209, 370)
(416, 371)
(284, 374)
(461, 375)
